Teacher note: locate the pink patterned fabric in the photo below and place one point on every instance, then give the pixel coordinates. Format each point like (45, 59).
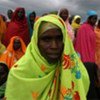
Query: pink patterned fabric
(70, 30)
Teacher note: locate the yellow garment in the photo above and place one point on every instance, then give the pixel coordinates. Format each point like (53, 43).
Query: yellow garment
(2, 49)
(74, 24)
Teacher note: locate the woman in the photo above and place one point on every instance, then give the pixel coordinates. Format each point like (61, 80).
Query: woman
(17, 27)
(64, 14)
(85, 46)
(9, 15)
(76, 23)
(97, 31)
(97, 54)
(14, 52)
(2, 28)
(55, 74)
(2, 31)
(31, 20)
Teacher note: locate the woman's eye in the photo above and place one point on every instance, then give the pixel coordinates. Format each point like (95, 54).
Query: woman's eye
(46, 39)
(59, 38)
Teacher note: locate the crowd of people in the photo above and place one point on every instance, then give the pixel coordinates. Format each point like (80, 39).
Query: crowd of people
(49, 57)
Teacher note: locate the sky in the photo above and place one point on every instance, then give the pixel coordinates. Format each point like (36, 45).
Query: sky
(42, 6)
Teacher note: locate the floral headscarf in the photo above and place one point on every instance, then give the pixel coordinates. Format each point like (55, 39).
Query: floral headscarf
(33, 78)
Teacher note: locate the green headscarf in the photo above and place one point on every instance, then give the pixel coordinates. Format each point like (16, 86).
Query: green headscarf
(33, 78)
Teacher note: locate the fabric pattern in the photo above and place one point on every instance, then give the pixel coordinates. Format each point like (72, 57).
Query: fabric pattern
(36, 79)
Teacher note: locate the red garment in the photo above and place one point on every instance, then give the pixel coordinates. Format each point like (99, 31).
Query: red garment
(17, 27)
(85, 43)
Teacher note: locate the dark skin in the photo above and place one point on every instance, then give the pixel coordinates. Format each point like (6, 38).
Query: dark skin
(92, 20)
(10, 13)
(78, 20)
(21, 14)
(32, 19)
(64, 14)
(17, 44)
(51, 45)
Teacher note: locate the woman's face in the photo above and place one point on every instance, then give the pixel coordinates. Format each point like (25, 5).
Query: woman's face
(10, 13)
(64, 14)
(50, 44)
(32, 17)
(92, 20)
(21, 13)
(17, 44)
(78, 20)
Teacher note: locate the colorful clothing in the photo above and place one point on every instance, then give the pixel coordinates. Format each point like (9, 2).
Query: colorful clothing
(68, 26)
(2, 28)
(44, 81)
(2, 48)
(10, 56)
(97, 31)
(29, 24)
(70, 31)
(74, 24)
(85, 43)
(17, 27)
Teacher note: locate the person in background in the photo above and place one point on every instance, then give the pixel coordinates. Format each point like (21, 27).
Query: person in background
(2, 28)
(3, 17)
(64, 14)
(76, 23)
(97, 31)
(17, 27)
(59, 70)
(97, 55)
(3, 78)
(15, 50)
(71, 18)
(31, 20)
(85, 45)
(2, 31)
(9, 15)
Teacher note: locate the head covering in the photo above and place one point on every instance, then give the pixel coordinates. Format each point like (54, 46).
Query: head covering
(46, 81)
(68, 26)
(46, 26)
(10, 56)
(2, 28)
(29, 24)
(17, 27)
(74, 24)
(91, 13)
